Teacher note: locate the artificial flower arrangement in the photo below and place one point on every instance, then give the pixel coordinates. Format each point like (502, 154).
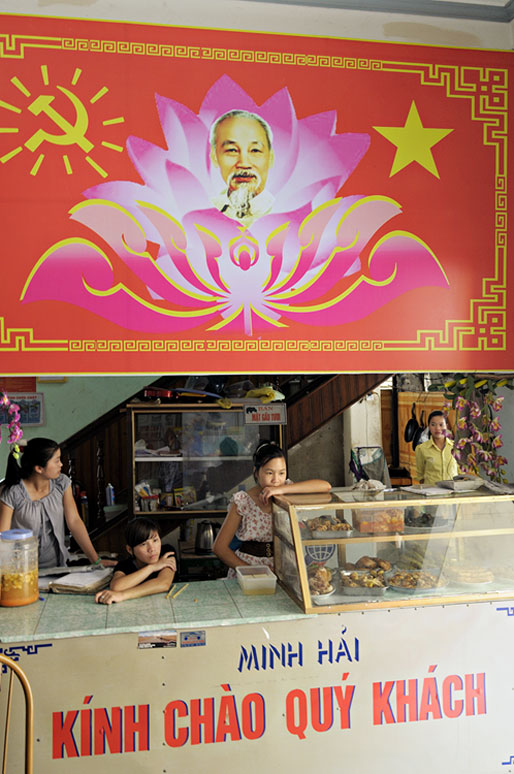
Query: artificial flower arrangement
(15, 431)
(478, 436)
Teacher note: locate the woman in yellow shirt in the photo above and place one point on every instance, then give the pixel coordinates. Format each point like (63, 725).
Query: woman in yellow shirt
(434, 459)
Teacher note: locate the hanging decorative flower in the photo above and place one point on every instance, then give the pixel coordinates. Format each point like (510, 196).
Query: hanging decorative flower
(477, 436)
(15, 431)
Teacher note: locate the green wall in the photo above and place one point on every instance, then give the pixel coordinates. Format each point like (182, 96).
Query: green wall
(73, 404)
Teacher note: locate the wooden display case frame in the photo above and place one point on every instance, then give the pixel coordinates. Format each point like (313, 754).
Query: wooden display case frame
(319, 503)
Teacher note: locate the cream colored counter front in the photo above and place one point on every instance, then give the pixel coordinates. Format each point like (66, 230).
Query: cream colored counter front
(216, 681)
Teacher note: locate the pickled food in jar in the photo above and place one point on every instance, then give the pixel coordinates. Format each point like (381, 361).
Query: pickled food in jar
(19, 588)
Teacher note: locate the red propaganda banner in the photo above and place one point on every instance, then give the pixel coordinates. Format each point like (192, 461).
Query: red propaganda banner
(193, 200)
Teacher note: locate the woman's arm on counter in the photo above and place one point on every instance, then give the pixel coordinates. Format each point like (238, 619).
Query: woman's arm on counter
(79, 531)
(122, 582)
(154, 586)
(311, 486)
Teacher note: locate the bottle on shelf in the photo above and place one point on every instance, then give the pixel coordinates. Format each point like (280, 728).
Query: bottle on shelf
(110, 498)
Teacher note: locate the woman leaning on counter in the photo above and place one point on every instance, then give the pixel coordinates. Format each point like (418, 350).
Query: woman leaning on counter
(249, 517)
(434, 459)
(37, 496)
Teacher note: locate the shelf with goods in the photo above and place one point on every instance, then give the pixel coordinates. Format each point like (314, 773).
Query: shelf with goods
(463, 553)
(189, 458)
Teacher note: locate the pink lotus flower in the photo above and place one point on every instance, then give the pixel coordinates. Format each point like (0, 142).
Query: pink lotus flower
(313, 260)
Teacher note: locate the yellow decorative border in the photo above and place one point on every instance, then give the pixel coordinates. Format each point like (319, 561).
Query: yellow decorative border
(486, 88)
(22, 340)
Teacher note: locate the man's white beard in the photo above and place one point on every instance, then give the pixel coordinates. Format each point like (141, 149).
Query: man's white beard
(241, 199)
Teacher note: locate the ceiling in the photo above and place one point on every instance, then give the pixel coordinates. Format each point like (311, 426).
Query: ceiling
(479, 10)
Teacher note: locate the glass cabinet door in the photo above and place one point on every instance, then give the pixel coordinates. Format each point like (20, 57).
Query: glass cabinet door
(194, 459)
(392, 549)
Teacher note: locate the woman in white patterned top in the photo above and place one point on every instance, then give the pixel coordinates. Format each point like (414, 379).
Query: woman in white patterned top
(249, 515)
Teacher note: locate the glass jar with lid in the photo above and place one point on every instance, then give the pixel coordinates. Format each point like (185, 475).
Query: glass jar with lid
(18, 568)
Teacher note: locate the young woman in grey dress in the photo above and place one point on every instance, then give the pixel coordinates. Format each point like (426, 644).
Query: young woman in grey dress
(38, 496)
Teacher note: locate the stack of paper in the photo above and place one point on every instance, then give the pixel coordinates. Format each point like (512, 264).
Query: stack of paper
(86, 582)
(426, 490)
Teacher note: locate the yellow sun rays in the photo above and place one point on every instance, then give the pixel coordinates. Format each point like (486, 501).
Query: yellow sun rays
(68, 135)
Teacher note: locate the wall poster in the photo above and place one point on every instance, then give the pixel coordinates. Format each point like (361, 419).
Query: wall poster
(31, 406)
(196, 200)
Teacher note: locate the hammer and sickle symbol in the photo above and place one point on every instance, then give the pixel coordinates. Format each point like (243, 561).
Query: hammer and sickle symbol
(73, 134)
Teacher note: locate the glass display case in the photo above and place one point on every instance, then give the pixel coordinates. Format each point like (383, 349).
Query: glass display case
(351, 550)
(190, 459)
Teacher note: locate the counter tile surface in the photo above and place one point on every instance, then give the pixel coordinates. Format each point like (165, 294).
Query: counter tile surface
(202, 604)
(20, 622)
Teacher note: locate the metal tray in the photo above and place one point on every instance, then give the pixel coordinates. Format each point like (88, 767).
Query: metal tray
(316, 534)
(415, 589)
(360, 591)
(322, 599)
(436, 527)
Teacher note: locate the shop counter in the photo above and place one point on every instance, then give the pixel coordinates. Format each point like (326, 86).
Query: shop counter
(216, 680)
(201, 604)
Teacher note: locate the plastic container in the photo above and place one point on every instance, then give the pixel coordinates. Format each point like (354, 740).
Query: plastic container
(111, 511)
(18, 568)
(379, 520)
(256, 579)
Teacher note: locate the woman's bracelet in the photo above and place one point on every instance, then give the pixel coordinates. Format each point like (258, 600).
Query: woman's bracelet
(98, 561)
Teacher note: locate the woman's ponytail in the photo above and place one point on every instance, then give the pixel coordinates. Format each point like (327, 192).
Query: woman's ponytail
(13, 471)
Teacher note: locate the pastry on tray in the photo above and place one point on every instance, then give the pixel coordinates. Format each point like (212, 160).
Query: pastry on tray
(327, 524)
(319, 581)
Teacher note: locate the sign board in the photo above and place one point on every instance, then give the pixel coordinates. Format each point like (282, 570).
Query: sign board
(266, 414)
(210, 201)
(428, 689)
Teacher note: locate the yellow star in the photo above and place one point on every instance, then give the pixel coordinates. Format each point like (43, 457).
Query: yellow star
(413, 142)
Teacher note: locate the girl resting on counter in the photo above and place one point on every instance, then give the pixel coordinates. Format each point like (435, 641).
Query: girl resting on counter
(149, 569)
(37, 496)
(434, 459)
(249, 515)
